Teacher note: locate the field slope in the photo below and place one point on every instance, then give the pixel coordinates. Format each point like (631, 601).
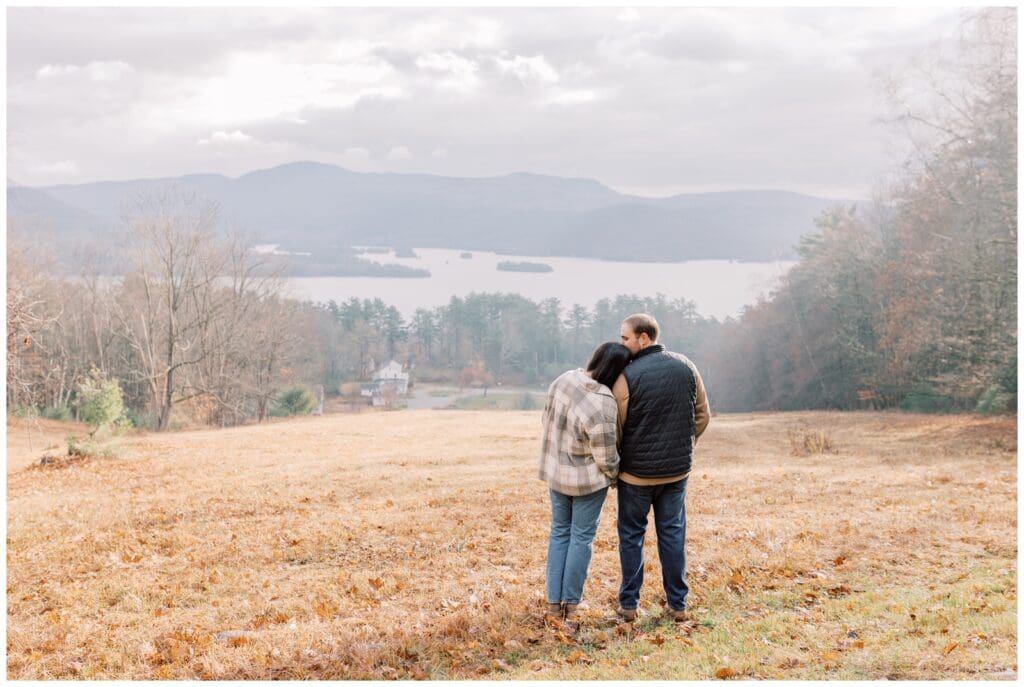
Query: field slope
(412, 545)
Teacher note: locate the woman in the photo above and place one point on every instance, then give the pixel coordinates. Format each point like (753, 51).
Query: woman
(579, 461)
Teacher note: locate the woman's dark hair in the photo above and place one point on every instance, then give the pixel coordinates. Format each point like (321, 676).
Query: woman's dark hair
(607, 362)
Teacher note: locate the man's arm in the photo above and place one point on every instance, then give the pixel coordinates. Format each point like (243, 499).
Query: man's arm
(701, 407)
(620, 390)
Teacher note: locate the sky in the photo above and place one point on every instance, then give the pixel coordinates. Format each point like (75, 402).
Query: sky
(651, 101)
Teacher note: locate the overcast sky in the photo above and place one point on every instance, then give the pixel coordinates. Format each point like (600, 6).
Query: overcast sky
(648, 101)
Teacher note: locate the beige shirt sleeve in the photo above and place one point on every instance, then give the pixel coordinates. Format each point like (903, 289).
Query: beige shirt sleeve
(620, 390)
(701, 407)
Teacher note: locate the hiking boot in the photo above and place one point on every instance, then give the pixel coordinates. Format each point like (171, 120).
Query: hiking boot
(553, 611)
(572, 621)
(678, 616)
(627, 614)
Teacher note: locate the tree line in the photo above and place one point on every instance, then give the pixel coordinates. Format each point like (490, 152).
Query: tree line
(910, 302)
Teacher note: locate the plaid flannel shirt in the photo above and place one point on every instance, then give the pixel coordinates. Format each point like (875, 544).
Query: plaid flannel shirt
(578, 448)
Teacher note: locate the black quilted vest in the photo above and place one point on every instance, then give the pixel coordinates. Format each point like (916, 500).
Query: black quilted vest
(657, 439)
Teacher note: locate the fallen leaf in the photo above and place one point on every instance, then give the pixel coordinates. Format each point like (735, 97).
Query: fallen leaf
(575, 657)
(325, 609)
(858, 645)
(949, 648)
(376, 582)
(725, 673)
(830, 657)
(656, 640)
(839, 560)
(239, 641)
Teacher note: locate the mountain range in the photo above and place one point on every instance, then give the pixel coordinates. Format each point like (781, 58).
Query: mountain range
(322, 209)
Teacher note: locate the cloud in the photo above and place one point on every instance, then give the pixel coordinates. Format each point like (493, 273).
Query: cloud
(572, 97)
(529, 69)
(96, 71)
(399, 153)
(108, 71)
(461, 72)
(51, 70)
(226, 139)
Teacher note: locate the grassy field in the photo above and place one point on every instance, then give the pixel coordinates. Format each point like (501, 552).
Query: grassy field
(412, 545)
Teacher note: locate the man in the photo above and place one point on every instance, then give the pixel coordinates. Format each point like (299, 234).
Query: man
(663, 409)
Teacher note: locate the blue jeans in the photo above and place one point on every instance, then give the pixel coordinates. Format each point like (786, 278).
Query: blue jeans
(669, 502)
(573, 526)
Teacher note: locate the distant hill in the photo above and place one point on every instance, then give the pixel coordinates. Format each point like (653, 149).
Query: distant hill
(320, 208)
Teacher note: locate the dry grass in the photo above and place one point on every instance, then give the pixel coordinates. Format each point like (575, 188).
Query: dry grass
(412, 545)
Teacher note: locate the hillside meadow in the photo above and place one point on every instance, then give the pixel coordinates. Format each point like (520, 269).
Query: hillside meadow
(411, 545)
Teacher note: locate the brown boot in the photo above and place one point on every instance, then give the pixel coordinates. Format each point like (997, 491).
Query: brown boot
(571, 619)
(627, 614)
(678, 616)
(554, 611)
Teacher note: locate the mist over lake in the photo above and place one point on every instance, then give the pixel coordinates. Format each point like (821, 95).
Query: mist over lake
(720, 288)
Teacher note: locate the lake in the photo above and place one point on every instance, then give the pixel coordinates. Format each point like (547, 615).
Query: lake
(720, 288)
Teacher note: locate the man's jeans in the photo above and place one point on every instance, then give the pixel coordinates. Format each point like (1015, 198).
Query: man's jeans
(669, 502)
(573, 526)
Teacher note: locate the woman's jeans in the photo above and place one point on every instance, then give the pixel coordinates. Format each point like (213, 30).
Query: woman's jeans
(573, 526)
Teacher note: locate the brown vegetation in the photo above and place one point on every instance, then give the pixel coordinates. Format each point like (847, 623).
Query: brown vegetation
(412, 545)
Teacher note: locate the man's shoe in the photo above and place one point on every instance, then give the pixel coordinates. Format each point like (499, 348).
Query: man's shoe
(627, 614)
(553, 611)
(678, 616)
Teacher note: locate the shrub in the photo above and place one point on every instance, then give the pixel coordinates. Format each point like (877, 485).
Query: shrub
(62, 413)
(926, 401)
(811, 442)
(296, 400)
(25, 412)
(996, 400)
(87, 448)
(141, 418)
(100, 403)
(527, 402)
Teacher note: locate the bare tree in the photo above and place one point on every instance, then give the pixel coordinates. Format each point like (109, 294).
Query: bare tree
(30, 312)
(169, 297)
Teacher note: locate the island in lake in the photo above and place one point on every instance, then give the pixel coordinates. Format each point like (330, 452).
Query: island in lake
(344, 263)
(508, 266)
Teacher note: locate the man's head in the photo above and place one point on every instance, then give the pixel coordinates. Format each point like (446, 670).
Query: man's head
(638, 332)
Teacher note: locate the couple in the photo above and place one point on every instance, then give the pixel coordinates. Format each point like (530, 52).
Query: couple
(630, 420)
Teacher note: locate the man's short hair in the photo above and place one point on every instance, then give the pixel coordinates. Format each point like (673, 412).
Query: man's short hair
(642, 323)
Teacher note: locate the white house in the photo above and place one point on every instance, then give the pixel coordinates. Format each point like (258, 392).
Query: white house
(389, 383)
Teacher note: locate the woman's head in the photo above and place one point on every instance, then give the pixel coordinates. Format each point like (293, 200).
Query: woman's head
(607, 362)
